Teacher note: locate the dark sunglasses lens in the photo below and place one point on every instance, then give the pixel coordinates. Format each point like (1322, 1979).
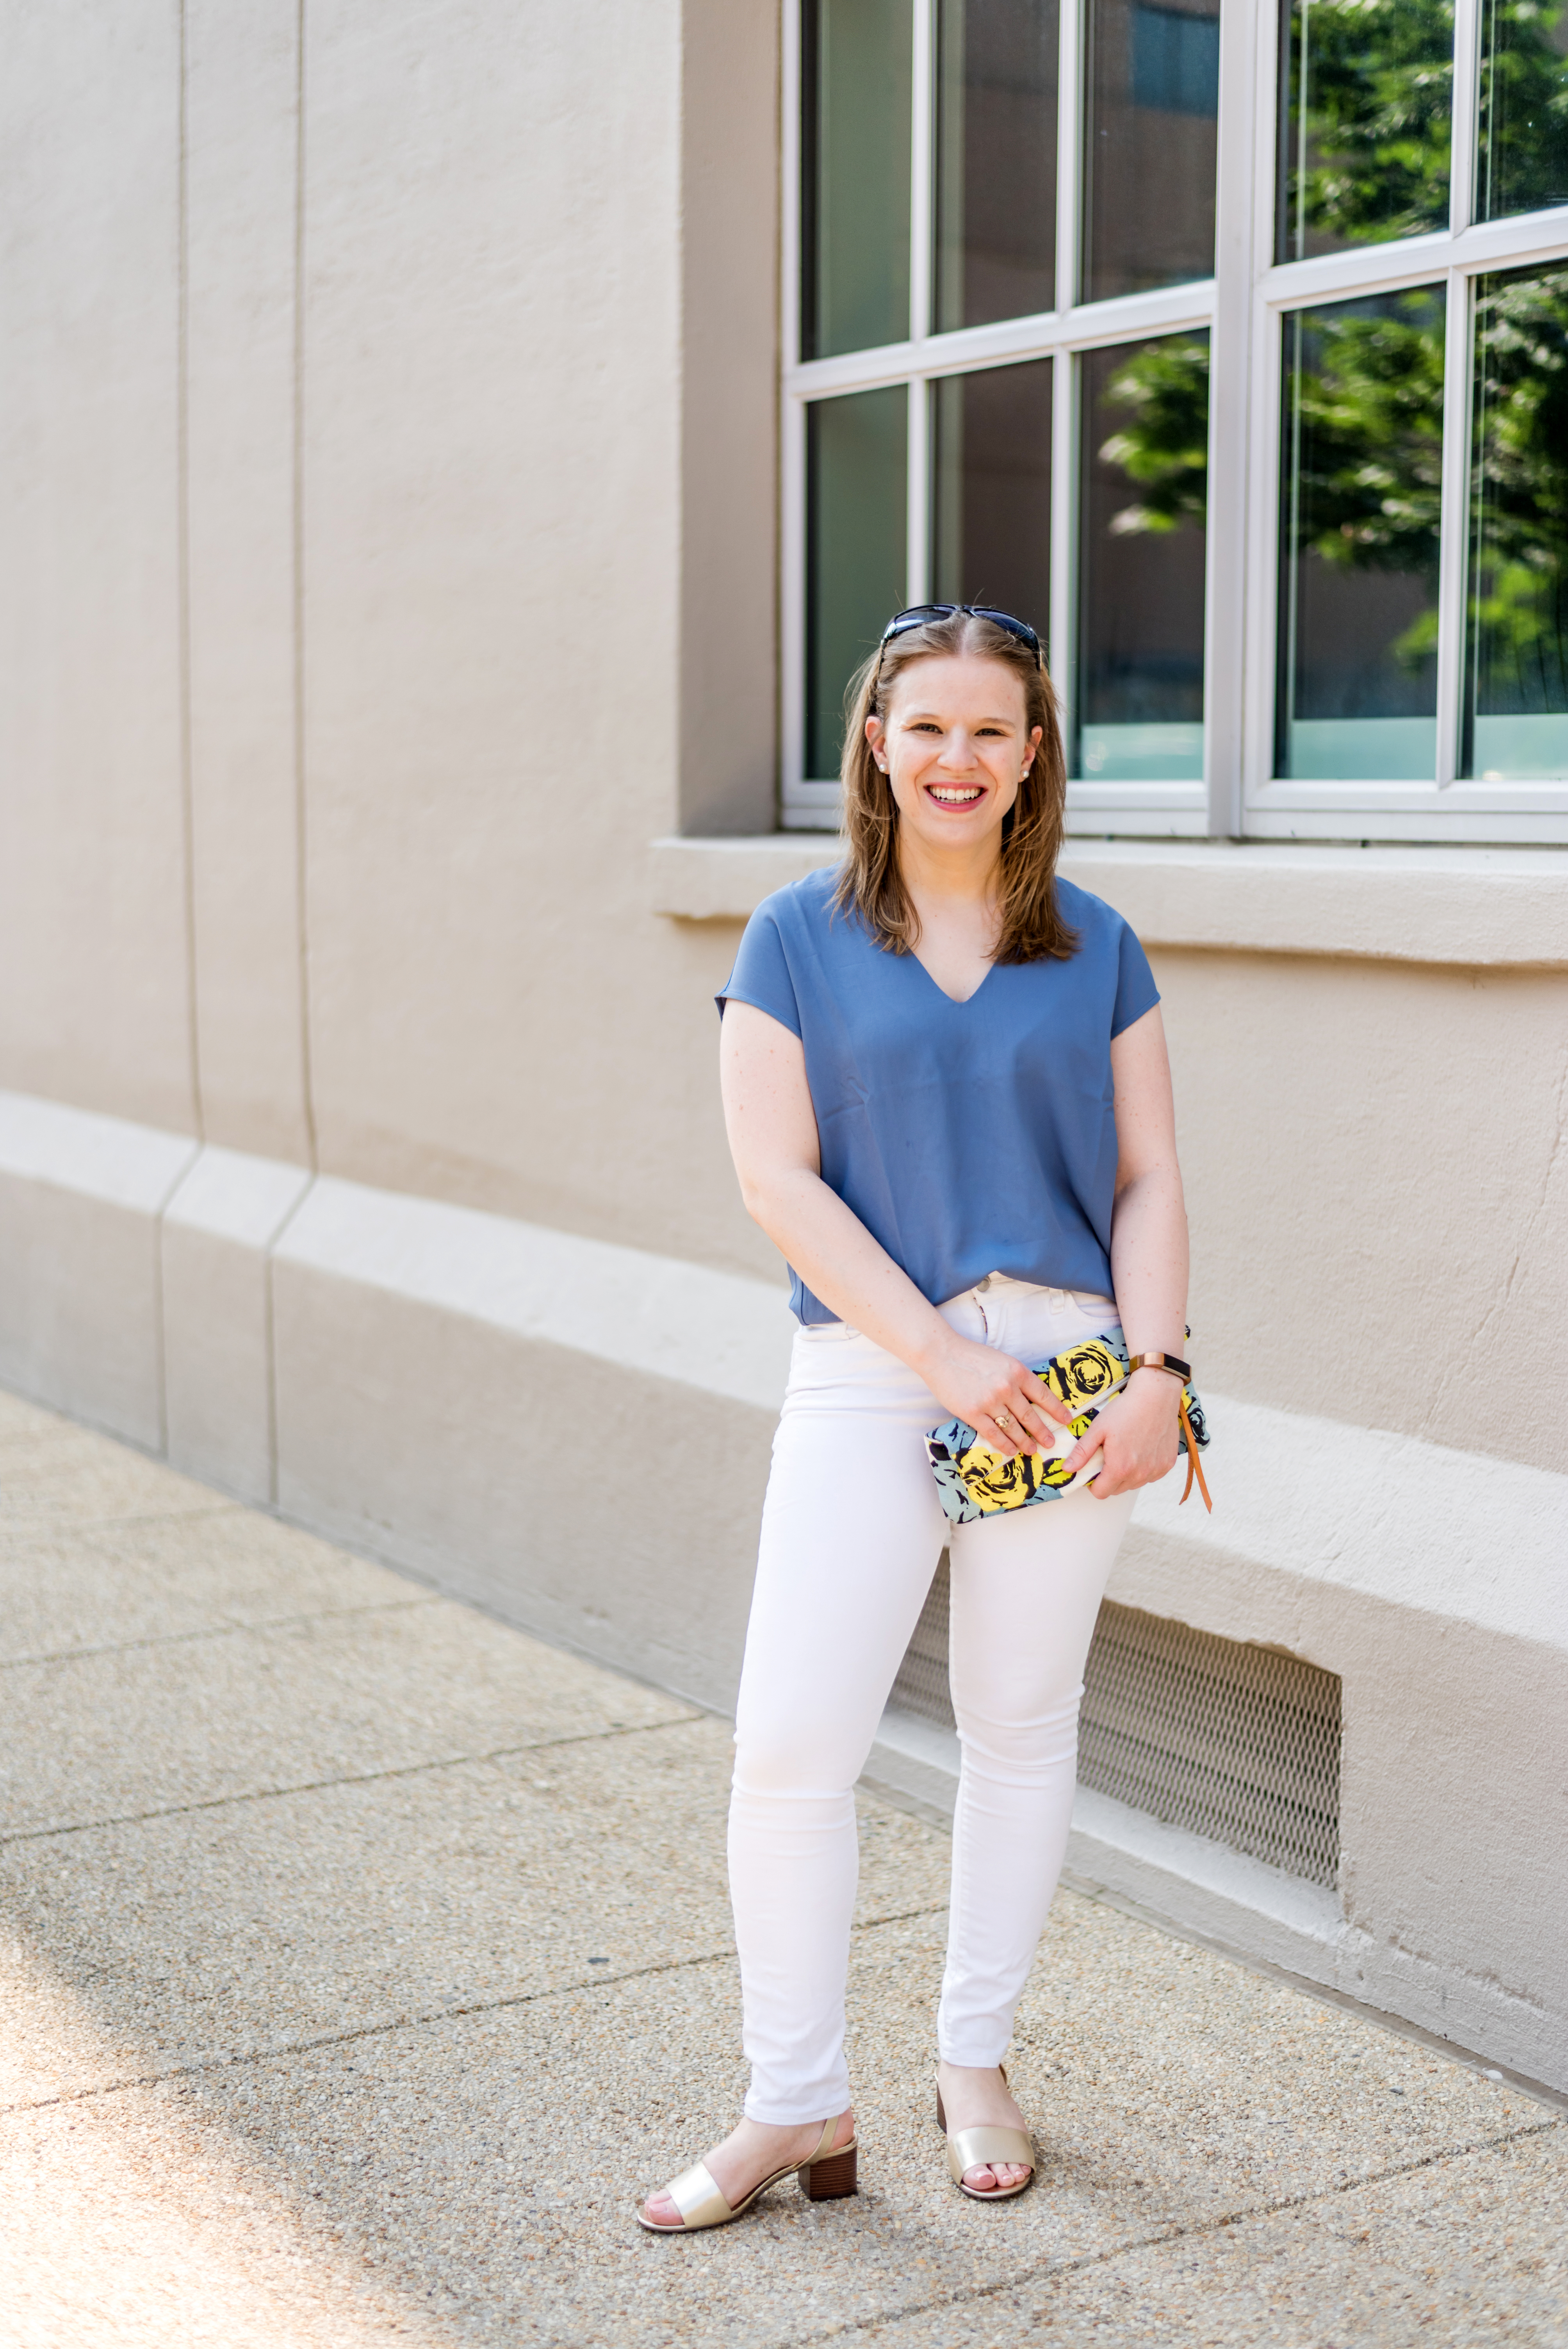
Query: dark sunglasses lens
(919, 616)
(1019, 629)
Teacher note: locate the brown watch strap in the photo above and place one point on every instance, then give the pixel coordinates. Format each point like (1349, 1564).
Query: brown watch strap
(1172, 1362)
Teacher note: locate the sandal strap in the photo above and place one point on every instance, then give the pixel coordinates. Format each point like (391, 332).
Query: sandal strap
(982, 2148)
(698, 2198)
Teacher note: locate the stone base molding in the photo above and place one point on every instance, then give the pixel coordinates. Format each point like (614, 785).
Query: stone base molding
(427, 1384)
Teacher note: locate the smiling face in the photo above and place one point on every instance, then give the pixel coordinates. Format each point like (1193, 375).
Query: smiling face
(954, 747)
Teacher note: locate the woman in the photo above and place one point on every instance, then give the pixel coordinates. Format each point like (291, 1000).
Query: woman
(949, 1104)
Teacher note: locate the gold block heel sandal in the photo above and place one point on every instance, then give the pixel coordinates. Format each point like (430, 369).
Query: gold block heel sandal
(825, 2176)
(980, 2148)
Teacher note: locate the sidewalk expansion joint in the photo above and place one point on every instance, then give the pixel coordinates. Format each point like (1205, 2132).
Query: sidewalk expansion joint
(218, 1631)
(1043, 2271)
(227, 2060)
(64, 1527)
(230, 2060)
(348, 1778)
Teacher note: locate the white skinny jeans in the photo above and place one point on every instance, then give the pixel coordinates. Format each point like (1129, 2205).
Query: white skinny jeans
(851, 1534)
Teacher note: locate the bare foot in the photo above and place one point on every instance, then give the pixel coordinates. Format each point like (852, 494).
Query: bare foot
(982, 2099)
(749, 2154)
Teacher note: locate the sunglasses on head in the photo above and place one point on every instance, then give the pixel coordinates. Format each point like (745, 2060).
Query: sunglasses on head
(921, 616)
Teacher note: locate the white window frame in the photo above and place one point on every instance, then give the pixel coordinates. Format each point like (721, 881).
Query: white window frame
(1242, 309)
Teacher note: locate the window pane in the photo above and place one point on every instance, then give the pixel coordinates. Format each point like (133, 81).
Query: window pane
(1366, 96)
(856, 509)
(1523, 159)
(1153, 88)
(854, 174)
(1516, 667)
(1359, 486)
(992, 481)
(996, 161)
(1139, 703)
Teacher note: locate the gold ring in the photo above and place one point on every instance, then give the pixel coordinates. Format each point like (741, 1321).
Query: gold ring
(1003, 1418)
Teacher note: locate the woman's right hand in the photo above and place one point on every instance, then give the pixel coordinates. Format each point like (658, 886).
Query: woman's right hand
(1007, 1406)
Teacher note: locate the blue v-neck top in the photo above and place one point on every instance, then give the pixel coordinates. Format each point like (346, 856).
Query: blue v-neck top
(967, 1137)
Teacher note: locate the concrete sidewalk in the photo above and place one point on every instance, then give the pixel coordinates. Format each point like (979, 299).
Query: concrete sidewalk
(363, 1959)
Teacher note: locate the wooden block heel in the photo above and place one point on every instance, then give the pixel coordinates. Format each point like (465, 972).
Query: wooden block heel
(830, 2179)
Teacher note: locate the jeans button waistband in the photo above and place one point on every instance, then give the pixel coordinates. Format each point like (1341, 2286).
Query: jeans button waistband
(981, 1286)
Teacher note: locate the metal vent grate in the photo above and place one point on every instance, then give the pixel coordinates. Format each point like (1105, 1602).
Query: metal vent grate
(922, 1683)
(1232, 1742)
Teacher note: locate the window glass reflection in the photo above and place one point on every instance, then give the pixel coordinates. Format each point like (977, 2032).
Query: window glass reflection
(995, 159)
(1140, 701)
(1153, 94)
(992, 491)
(1366, 96)
(1516, 664)
(854, 174)
(1523, 158)
(856, 522)
(1360, 485)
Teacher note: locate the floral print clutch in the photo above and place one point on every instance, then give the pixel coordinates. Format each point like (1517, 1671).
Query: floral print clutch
(973, 1481)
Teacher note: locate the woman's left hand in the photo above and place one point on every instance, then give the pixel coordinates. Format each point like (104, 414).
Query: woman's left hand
(1137, 1433)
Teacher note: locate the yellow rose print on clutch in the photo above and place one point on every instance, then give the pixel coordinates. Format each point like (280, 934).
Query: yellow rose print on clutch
(973, 1481)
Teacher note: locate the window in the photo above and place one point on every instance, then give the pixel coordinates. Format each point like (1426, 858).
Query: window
(1291, 510)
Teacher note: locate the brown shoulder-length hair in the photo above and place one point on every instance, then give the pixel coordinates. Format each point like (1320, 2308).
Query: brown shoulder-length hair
(871, 884)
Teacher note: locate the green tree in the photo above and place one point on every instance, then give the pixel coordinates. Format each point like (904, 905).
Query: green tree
(1523, 107)
(1369, 418)
(1519, 586)
(1364, 438)
(1371, 107)
(1164, 445)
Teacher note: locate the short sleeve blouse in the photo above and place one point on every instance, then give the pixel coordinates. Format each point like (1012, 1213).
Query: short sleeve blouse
(967, 1137)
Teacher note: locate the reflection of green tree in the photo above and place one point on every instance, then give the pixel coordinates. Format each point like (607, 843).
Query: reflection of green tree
(1368, 418)
(1164, 445)
(1523, 105)
(1378, 99)
(1520, 588)
(1367, 446)
(1369, 438)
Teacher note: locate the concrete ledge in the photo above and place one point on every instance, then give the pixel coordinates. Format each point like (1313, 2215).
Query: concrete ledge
(411, 1376)
(716, 1332)
(80, 1309)
(218, 1230)
(434, 1367)
(726, 880)
(1476, 907)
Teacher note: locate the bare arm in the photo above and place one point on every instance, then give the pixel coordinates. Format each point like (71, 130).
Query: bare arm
(1149, 1263)
(772, 1130)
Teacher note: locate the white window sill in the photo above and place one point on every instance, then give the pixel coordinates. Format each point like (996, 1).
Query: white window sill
(1491, 906)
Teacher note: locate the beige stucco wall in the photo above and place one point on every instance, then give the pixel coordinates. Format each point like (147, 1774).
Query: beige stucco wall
(95, 1002)
(387, 438)
(1378, 1190)
(471, 558)
(476, 523)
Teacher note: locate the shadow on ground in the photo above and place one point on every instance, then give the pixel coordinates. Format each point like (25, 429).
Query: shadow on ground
(365, 1957)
